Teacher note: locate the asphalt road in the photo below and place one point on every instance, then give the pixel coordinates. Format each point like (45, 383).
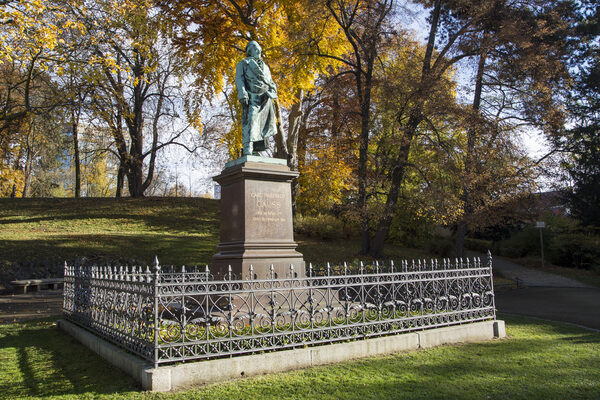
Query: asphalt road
(579, 306)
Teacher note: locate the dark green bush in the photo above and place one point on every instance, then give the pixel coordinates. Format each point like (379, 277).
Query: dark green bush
(575, 250)
(523, 243)
(479, 245)
(441, 246)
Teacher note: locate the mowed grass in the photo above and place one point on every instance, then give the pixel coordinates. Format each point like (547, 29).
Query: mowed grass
(183, 230)
(177, 230)
(539, 360)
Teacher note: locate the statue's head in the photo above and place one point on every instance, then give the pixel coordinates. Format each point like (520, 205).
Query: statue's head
(253, 49)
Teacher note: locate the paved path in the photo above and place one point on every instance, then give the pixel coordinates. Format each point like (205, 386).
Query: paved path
(579, 306)
(530, 277)
(534, 278)
(20, 307)
(547, 295)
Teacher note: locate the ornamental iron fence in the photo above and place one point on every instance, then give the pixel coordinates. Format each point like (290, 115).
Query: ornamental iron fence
(165, 315)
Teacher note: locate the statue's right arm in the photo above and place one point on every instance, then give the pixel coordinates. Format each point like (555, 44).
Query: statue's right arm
(239, 83)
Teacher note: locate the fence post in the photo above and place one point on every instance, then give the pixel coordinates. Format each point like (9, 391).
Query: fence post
(155, 293)
(66, 292)
(489, 259)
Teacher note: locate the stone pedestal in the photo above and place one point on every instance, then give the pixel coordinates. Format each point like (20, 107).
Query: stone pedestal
(256, 219)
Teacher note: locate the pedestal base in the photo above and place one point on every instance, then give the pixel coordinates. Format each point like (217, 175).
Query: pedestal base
(256, 220)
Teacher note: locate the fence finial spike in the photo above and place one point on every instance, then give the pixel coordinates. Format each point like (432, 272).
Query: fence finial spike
(156, 264)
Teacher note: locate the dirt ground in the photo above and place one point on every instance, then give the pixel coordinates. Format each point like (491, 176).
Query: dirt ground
(21, 307)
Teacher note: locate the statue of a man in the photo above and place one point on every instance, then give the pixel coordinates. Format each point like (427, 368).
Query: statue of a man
(256, 92)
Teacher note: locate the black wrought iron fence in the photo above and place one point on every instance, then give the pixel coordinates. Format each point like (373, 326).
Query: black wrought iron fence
(169, 316)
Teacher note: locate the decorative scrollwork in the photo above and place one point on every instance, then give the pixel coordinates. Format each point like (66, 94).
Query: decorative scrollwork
(167, 315)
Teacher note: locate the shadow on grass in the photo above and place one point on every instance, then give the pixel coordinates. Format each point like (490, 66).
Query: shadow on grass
(533, 364)
(193, 215)
(170, 249)
(502, 369)
(50, 363)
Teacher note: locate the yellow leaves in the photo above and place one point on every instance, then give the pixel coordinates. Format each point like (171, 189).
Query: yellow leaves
(323, 180)
(32, 27)
(232, 139)
(213, 39)
(10, 178)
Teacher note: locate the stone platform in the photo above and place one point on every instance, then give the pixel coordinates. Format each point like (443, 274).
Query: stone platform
(256, 219)
(185, 375)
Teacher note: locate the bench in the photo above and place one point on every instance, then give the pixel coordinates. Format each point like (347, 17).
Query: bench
(22, 286)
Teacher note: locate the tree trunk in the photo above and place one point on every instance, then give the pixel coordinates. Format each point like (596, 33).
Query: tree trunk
(135, 178)
(120, 180)
(280, 149)
(416, 116)
(77, 161)
(362, 178)
(296, 122)
(27, 173)
(135, 124)
(471, 138)
(397, 176)
(29, 159)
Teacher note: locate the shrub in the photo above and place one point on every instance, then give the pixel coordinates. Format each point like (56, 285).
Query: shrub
(575, 250)
(326, 227)
(523, 243)
(441, 246)
(479, 245)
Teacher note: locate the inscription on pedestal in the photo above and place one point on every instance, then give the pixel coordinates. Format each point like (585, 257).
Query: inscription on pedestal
(268, 207)
(268, 210)
(256, 220)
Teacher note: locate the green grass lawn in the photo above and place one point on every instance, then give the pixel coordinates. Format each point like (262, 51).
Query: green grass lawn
(177, 230)
(539, 360)
(182, 231)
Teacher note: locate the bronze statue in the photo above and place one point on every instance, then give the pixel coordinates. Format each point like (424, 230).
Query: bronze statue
(256, 91)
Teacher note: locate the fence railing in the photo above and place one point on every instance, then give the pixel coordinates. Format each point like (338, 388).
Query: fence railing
(168, 316)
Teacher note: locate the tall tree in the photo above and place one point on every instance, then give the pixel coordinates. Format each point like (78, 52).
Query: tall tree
(365, 24)
(456, 29)
(137, 87)
(582, 141)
